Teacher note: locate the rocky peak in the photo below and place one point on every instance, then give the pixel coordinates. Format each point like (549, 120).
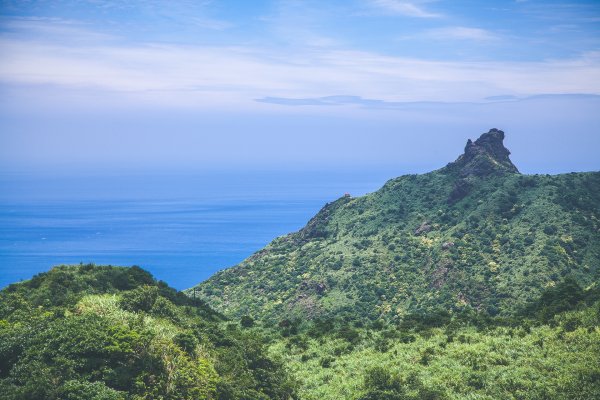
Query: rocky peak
(485, 156)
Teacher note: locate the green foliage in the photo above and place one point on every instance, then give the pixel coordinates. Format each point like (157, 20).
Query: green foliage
(381, 385)
(88, 332)
(437, 286)
(139, 299)
(463, 358)
(406, 250)
(246, 321)
(76, 390)
(562, 297)
(469, 282)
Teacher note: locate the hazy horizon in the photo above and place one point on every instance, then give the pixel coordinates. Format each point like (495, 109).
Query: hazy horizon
(108, 86)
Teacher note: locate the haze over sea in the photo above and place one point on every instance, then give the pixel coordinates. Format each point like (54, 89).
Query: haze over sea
(181, 227)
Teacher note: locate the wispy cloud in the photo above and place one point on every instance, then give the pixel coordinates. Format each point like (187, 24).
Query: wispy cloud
(226, 76)
(568, 11)
(357, 101)
(210, 23)
(52, 28)
(300, 23)
(461, 33)
(338, 100)
(148, 16)
(344, 100)
(405, 8)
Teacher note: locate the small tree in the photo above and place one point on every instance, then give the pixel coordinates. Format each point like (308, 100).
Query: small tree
(247, 321)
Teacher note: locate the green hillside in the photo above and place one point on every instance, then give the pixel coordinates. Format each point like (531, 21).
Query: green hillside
(474, 235)
(470, 282)
(108, 333)
(455, 358)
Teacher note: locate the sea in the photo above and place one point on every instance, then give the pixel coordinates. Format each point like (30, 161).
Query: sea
(182, 227)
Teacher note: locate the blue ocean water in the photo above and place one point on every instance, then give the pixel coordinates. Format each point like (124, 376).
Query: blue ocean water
(182, 228)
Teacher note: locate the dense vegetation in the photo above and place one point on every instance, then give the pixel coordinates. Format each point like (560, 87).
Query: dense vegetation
(469, 282)
(474, 235)
(88, 332)
(551, 350)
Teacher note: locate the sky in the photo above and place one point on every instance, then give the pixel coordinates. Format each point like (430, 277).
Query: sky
(126, 85)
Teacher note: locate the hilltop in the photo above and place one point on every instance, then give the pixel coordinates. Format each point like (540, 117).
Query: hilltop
(474, 235)
(112, 333)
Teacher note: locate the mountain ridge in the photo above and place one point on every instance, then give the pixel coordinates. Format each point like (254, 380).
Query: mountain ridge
(475, 234)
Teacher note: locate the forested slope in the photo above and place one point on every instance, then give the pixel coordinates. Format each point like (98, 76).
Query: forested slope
(88, 332)
(475, 234)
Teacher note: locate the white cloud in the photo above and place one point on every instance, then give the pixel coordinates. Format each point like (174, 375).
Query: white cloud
(225, 77)
(406, 8)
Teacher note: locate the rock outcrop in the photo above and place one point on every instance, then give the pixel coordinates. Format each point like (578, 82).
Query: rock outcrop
(486, 156)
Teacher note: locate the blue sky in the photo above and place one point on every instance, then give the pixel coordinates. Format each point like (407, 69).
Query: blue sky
(138, 85)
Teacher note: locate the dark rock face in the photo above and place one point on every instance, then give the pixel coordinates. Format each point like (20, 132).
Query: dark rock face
(423, 228)
(440, 274)
(312, 287)
(486, 156)
(492, 143)
(462, 187)
(447, 245)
